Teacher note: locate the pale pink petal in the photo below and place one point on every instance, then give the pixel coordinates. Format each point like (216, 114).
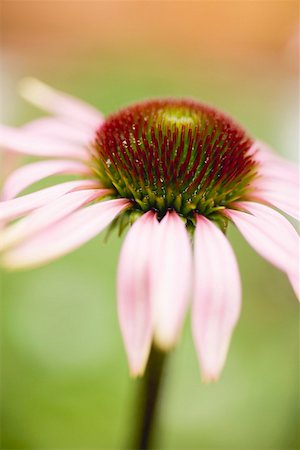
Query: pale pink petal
(47, 215)
(64, 236)
(20, 141)
(274, 166)
(266, 153)
(61, 129)
(29, 174)
(135, 307)
(9, 161)
(278, 182)
(17, 207)
(172, 260)
(281, 170)
(269, 233)
(217, 297)
(288, 202)
(59, 103)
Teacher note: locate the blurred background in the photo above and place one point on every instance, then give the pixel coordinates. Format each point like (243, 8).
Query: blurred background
(64, 377)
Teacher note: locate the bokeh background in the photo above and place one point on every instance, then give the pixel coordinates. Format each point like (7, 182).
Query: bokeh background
(64, 377)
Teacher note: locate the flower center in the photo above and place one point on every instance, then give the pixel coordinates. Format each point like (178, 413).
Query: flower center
(174, 154)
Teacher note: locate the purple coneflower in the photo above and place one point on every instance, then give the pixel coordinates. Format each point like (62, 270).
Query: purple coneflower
(175, 171)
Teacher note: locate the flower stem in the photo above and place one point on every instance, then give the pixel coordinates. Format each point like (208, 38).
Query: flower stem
(148, 400)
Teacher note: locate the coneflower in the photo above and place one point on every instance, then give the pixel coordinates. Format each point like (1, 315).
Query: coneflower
(175, 172)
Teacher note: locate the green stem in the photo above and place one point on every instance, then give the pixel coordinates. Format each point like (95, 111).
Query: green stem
(148, 401)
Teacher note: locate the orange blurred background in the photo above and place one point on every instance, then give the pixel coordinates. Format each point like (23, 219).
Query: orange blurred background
(239, 30)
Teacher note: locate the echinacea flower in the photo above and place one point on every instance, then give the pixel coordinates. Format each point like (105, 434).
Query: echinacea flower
(176, 172)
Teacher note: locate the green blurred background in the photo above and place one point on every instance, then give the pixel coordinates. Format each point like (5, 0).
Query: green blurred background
(64, 376)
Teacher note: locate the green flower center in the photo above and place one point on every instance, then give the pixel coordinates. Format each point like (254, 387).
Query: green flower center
(174, 154)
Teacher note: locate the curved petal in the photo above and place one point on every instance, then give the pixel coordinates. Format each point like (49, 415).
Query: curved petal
(278, 182)
(265, 153)
(135, 307)
(25, 142)
(274, 166)
(172, 278)
(29, 174)
(279, 169)
(59, 129)
(270, 234)
(288, 202)
(9, 161)
(65, 236)
(42, 217)
(17, 207)
(59, 103)
(217, 297)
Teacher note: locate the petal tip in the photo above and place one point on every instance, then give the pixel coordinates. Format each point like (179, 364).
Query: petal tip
(137, 368)
(30, 86)
(209, 378)
(164, 341)
(136, 374)
(9, 264)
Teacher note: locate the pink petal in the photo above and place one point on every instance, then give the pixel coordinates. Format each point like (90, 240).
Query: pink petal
(274, 166)
(270, 234)
(17, 207)
(65, 236)
(264, 152)
(279, 169)
(135, 307)
(278, 184)
(60, 129)
(20, 141)
(172, 278)
(9, 161)
(29, 174)
(217, 297)
(288, 202)
(59, 103)
(47, 215)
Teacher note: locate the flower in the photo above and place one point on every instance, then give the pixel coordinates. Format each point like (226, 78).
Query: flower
(175, 171)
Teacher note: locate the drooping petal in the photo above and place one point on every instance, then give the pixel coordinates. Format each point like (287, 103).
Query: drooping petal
(286, 199)
(135, 307)
(264, 152)
(54, 127)
(274, 166)
(279, 169)
(42, 217)
(270, 234)
(217, 297)
(59, 103)
(172, 278)
(29, 174)
(17, 207)
(278, 183)
(25, 142)
(65, 236)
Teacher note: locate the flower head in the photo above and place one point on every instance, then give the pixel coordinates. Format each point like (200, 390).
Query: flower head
(175, 155)
(176, 172)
